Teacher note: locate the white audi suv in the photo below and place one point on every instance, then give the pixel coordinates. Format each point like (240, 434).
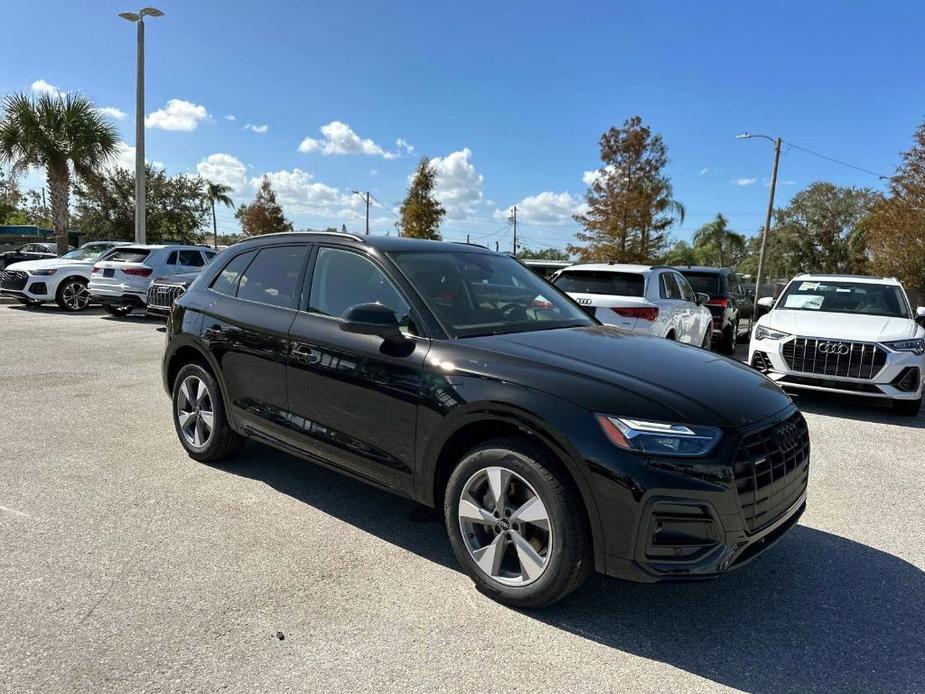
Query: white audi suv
(844, 334)
(645, 299)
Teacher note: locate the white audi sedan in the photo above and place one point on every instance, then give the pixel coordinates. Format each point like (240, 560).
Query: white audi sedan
(645, 299)
(844, 334)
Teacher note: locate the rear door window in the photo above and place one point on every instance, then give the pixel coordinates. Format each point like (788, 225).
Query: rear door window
(686, 292)
(227, 280)
(275, 276)
(668, 287)
(190, 258)
(601, 282)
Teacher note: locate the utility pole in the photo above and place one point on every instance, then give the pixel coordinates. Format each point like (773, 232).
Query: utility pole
(467, 238)
(139, 19)
(366, 198)
(513, 219)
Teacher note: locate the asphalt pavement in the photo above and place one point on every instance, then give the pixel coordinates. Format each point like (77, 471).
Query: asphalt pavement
(125, 566)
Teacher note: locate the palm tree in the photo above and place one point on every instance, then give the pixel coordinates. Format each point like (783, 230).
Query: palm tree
(65, 135)
(718, 235)
(216, 193)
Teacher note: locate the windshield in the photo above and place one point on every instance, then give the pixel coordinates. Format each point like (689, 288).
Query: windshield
(863, 298)
(703, 282)
(484, 294)
(602, 282)
(87, 252)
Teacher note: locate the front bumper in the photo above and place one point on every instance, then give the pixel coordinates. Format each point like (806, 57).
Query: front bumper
(682, 520)
(901, 377)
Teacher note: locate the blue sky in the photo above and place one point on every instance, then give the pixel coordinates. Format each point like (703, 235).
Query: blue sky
(509, 97)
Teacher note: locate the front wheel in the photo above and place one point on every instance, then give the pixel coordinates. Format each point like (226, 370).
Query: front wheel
(72, 294)
(907, 408)
(118, 310)
(516, 524)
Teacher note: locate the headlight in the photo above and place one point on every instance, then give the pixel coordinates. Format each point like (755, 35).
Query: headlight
(916, 346)
(659, 438)
(42, 273)
(764, 333)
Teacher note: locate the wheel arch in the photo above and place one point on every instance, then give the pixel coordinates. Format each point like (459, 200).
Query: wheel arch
(481, 425)
(189, 351)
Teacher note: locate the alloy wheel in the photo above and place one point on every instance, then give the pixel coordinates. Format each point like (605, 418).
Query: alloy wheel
(505, 526)
(75, 296)
(194, 411)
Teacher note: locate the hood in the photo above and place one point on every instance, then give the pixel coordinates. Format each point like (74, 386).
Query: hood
(48, 263)
(840, 326)
(608, 370)
(184, 278)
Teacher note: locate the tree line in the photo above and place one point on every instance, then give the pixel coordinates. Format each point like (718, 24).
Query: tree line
(628, 213)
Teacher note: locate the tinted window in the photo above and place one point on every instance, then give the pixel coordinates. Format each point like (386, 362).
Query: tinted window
(486, 294)
(172, 258)
(668, 287)
(191, 258)
(342, 279)
(130, 255)
(686, 292)
(273, 277)
(227, 280)
(209, 255)
(595, 282)
(704, 282)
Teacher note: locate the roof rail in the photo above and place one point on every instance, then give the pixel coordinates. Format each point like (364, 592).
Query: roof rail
(347, 234)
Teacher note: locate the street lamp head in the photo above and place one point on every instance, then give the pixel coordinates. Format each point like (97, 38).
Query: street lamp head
(130, 16)
(743, 136)
(151, 12)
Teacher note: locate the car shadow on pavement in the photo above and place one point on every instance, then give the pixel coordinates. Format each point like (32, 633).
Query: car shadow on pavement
(53, 308)
(818, 612)
(856, 408)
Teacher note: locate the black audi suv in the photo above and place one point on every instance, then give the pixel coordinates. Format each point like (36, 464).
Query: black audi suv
(453, 375)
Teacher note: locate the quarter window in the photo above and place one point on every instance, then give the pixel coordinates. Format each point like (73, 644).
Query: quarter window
(227, 280)
(342, 279)
(273, 277)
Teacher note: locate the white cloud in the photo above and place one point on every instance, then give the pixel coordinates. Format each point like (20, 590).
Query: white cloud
(177, 115)
(373, 172)
(224, 168)
(43, 87)
(112, 112)
(299, 194)
(767, 183)
(404, 146)
(589, 177)
(339, 138)
(703, 171)
(125, 159)
(260, 129)
(544, 208)
(231, 117)
(743, 181)
(458, 186)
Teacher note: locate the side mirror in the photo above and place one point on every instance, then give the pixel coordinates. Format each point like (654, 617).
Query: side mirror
(920, 316)
(750, 293)
(766, 302)
(702, 298)
(372, 319)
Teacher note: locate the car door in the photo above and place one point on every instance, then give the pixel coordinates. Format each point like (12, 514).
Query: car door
(30, 251)
(246, 326)
(697, 318)
(742, 302)
(353, 399)
(671, 306)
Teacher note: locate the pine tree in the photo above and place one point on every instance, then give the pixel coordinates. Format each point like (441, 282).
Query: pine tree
(630, 204)
(421, 214)
(264, 215)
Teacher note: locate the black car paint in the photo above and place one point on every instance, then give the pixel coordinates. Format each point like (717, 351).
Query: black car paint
(388, 412)
(20, 254)
(737, 315)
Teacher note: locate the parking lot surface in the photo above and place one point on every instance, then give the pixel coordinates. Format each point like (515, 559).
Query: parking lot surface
(126, 566)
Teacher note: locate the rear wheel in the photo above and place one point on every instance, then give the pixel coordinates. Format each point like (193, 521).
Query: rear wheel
(72, 294)
(707, 343)
(516, 524)
(907, 408)
(118, 309)
(727, 343)
(199, 416)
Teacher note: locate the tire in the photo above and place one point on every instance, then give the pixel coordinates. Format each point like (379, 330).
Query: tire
(907, 408)
(707, 343)
(29, 303)
(118, 310)
(536, 566)
(207, 444)
(727, 343)
(72, 294)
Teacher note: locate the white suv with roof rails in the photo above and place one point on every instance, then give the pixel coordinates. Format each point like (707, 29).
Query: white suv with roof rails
(62, 280)
(121, 281)
(844, 334)
(645, 299)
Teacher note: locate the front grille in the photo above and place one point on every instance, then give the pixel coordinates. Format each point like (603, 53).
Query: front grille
(771, 470)
(13, 279)
(834, 357)
(829, 383)
(163, 295)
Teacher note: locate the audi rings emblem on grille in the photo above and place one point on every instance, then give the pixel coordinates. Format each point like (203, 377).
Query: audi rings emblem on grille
(838, 348)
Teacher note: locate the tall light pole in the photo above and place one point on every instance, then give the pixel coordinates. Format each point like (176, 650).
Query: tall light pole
(767, 219)
(366, 197)
(139, 19)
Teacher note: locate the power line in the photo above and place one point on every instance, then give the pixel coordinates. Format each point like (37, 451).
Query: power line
(833, 159)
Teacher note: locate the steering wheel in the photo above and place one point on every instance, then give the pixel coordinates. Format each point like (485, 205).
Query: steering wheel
(507, 312)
